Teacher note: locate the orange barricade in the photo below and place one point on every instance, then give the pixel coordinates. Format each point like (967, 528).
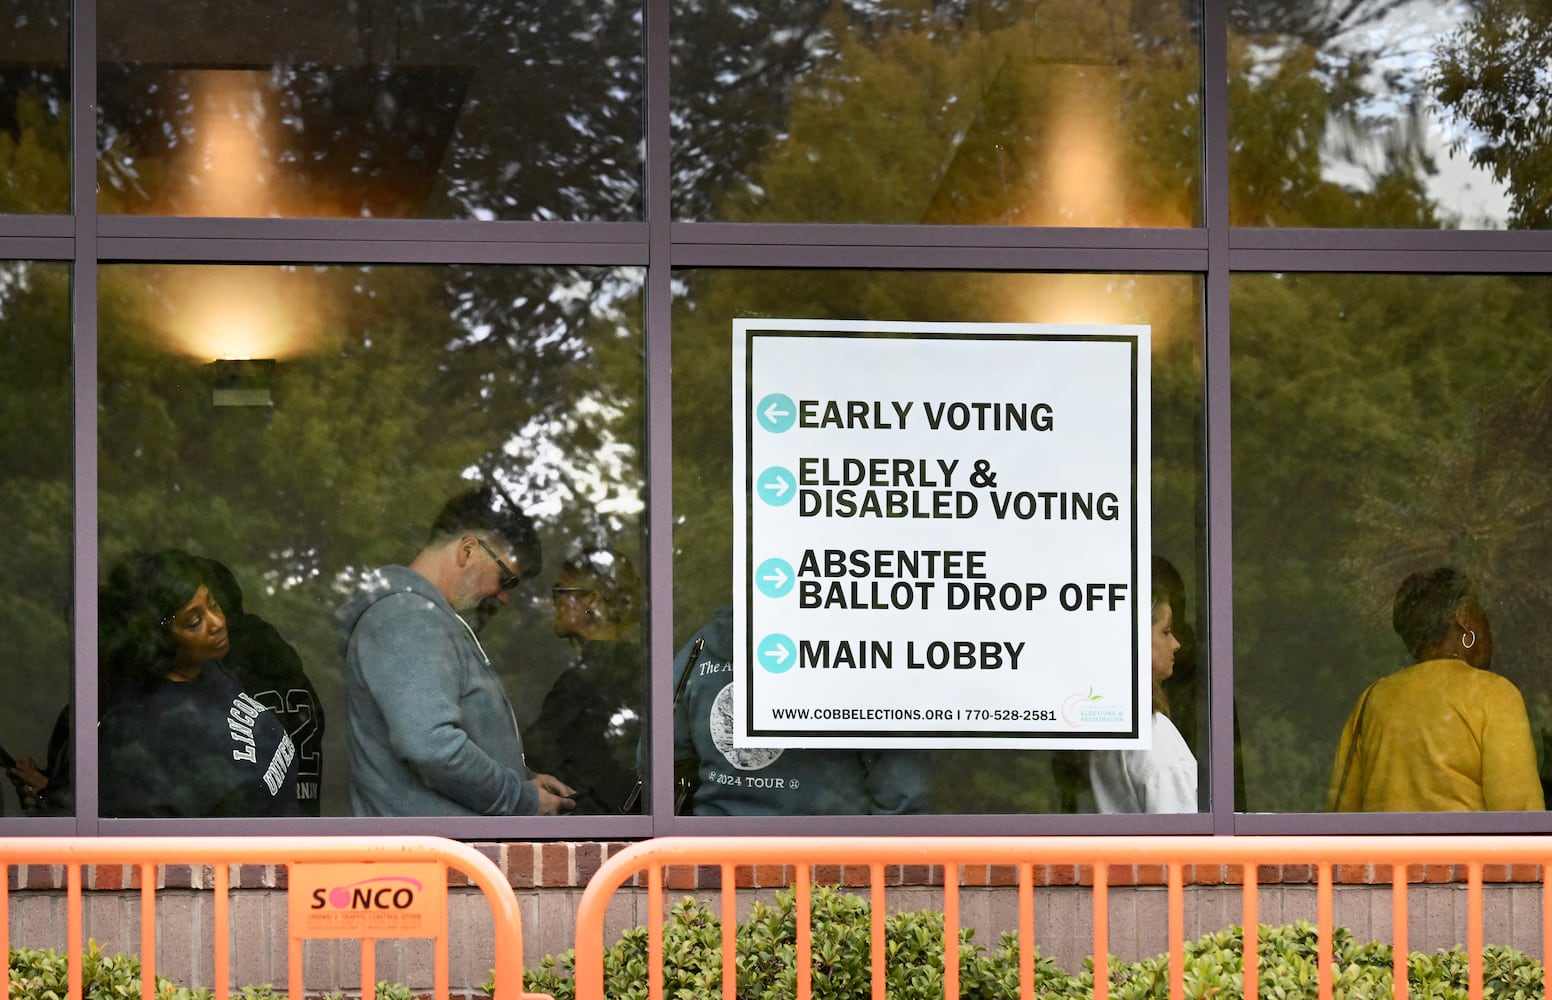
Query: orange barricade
(1095, 853)
(358, 887)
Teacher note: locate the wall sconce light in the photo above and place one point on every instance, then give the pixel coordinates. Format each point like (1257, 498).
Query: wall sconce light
(244, 382)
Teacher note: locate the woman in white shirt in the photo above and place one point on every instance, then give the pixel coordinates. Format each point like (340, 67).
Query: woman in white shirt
(1162, 779)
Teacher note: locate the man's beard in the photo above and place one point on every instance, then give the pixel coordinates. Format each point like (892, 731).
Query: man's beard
(481, 613)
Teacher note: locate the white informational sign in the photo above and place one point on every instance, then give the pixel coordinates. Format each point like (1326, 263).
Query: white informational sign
(941, 535)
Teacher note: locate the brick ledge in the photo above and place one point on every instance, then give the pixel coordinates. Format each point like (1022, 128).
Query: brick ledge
(571, 865)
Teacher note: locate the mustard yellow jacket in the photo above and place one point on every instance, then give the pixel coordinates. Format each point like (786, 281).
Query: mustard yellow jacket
(1440, 735)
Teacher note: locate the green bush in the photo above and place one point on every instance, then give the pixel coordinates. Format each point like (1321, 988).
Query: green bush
(38, 974)
(44, 975)
(1214, 963)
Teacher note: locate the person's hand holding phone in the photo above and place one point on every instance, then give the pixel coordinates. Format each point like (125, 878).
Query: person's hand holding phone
(26, 776)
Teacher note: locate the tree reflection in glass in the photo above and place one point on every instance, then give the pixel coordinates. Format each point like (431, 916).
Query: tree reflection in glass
(1050, 113)
(451, 109)
(391, 389)
(1390, 113)
(34, 107)
(36, 501)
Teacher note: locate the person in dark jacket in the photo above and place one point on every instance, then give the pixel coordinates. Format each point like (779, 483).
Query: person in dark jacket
(178, 736)
(589, 726)
(774, 782)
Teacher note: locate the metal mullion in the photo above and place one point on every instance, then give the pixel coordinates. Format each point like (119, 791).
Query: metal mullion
(486, 829)
(658, 182)
(687, 234)
(1425, 261)
(1215, 418)
(371, 230)
(269, 251)
(1404, 240)
(1409, 824)
(988, 258)
(950, 825)
(37, 248)
(83, 97)
(35, 227)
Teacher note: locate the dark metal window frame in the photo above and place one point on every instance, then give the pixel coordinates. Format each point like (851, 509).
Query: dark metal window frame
(1214, 252)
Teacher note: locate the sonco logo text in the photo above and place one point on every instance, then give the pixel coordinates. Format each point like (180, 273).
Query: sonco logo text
(370, 894)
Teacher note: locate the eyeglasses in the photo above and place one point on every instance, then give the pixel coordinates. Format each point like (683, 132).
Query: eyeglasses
(509, 579)
(556, 593)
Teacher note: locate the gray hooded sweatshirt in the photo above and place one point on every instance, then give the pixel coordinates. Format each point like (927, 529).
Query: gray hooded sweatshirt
(432, 732)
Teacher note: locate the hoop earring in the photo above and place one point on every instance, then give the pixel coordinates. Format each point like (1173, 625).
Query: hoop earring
(1467, 645)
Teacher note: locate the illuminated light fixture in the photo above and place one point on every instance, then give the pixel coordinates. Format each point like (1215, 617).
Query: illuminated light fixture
(242, 382)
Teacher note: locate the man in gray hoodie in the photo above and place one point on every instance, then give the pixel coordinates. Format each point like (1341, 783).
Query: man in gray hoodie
(432, 732)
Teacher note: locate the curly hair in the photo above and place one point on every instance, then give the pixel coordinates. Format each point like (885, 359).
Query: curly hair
(136, 608)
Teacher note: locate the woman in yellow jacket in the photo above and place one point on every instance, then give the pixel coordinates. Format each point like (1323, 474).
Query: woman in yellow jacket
(1445, 734)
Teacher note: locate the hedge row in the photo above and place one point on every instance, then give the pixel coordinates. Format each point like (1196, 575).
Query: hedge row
(840, 936)
(43, 974)
(840, 940)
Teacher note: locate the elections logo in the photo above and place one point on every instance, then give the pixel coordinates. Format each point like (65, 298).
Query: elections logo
(1081, 711)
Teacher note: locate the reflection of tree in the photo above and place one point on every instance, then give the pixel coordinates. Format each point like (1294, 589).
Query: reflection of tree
(416, 379)
(946, 113)
(971, 781)
(35, 149)
(411, 397)
(1315, 23)
(1368, 443)
(733, 72)
(1300, 92)
(892, 120)
(36, 500)
(1495, 74)
(34, 107)
(36, 393)
(1481, 505)
(448, 109)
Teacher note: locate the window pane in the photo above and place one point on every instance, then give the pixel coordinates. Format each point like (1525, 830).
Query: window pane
(36, 499)
(304, 426)
(942, 781)
(449, 109)
(1425, 114)
(1032, 114)
(1386, 425)
(34, 107)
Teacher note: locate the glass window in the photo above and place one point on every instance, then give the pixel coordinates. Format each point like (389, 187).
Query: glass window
(36, 500)
(437, 110)
(303, 427)
(947, 781)
(1388, 425)
(1424, 114)
(1031, 114)
(34, 107)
